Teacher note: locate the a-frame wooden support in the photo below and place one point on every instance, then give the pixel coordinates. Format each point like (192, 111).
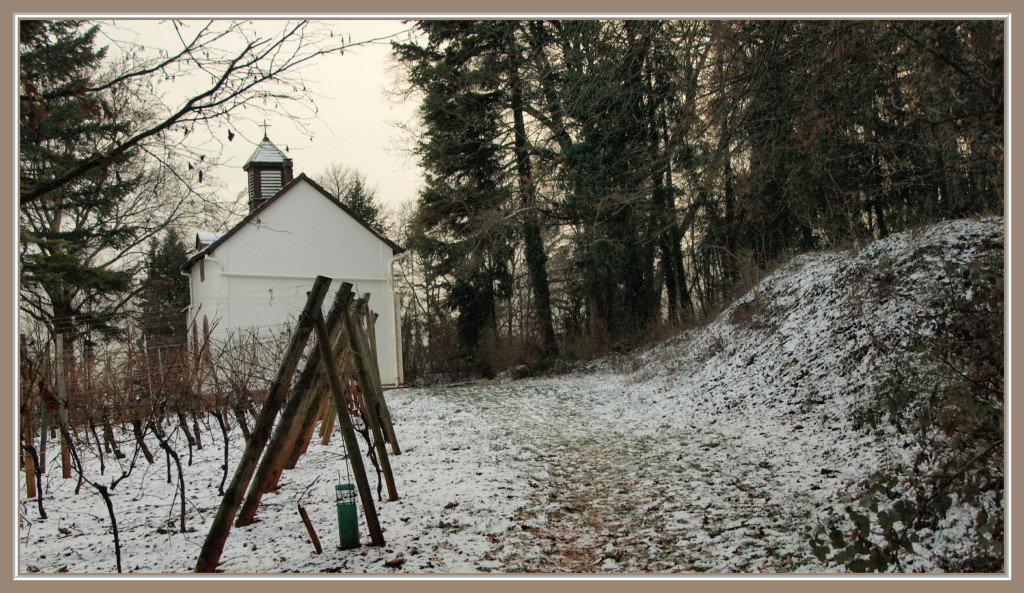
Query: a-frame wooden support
(213, 546)
(343, 349)
(365, 375)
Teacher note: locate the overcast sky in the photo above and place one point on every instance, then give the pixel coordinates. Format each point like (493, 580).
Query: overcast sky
(358, 116)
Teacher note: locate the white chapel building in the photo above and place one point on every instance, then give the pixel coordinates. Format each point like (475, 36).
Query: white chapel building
(255, 276)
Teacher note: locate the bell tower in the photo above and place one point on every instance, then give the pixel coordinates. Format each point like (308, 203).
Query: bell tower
(269, 170)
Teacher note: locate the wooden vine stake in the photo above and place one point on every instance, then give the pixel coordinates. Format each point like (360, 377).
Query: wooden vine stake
(309, 529)
(213, 546)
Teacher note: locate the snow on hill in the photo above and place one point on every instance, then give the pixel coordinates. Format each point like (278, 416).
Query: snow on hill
(787, 367)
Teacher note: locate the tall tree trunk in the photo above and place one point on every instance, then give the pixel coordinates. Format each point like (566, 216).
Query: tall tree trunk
(63, 358)
(536, 258)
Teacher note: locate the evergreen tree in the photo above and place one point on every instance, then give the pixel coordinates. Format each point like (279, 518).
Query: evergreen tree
(608, 178)
(533, 241)
(363, 201)
(165, 293)
(675, 160)
(460, 211)
(67, 237)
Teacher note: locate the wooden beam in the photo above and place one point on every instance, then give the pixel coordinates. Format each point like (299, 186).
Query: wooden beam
(30, 474)
(272, 465)
(327, 426)
(213, 546)
(351, 444)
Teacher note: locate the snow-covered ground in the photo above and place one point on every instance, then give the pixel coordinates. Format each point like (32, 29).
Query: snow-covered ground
(715, 451)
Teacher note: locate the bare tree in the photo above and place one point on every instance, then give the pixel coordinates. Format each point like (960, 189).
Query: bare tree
(236, 71)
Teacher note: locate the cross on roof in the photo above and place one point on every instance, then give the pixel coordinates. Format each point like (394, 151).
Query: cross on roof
(265, 125)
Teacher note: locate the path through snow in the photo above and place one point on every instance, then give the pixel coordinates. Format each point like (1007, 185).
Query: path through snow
(668, 499)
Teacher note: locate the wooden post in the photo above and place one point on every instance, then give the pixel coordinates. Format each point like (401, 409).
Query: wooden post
(370, 318)
(351, 444)
(65, 457)
(309, 529)
(270, 469)
(213, 546)
(373, 392)
(365, 376)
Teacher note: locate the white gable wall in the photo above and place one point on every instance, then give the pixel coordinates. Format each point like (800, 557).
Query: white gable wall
(302, 232)
(259, 276)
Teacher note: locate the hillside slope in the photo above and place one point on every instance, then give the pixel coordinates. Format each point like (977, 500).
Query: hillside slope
(796, 365)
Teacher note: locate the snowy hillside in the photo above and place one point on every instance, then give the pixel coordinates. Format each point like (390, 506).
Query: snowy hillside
(720, 450)
(785, 370)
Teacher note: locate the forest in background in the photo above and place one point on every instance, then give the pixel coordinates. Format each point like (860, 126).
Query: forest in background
(592, 184)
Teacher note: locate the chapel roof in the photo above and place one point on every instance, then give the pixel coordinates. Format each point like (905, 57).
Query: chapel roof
(208, 249)
(267, 152)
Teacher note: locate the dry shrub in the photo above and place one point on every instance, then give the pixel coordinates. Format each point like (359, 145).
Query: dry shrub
(948, 402)
(588, 345)
(516, 354)
(432, 355)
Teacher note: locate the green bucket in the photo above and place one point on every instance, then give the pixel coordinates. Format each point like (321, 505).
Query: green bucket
(348, 521)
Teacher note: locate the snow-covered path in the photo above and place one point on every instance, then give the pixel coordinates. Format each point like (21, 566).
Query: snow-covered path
(605, 497)
(548, 475)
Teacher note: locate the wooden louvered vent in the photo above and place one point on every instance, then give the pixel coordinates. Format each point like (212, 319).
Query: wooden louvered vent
(270, 183)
